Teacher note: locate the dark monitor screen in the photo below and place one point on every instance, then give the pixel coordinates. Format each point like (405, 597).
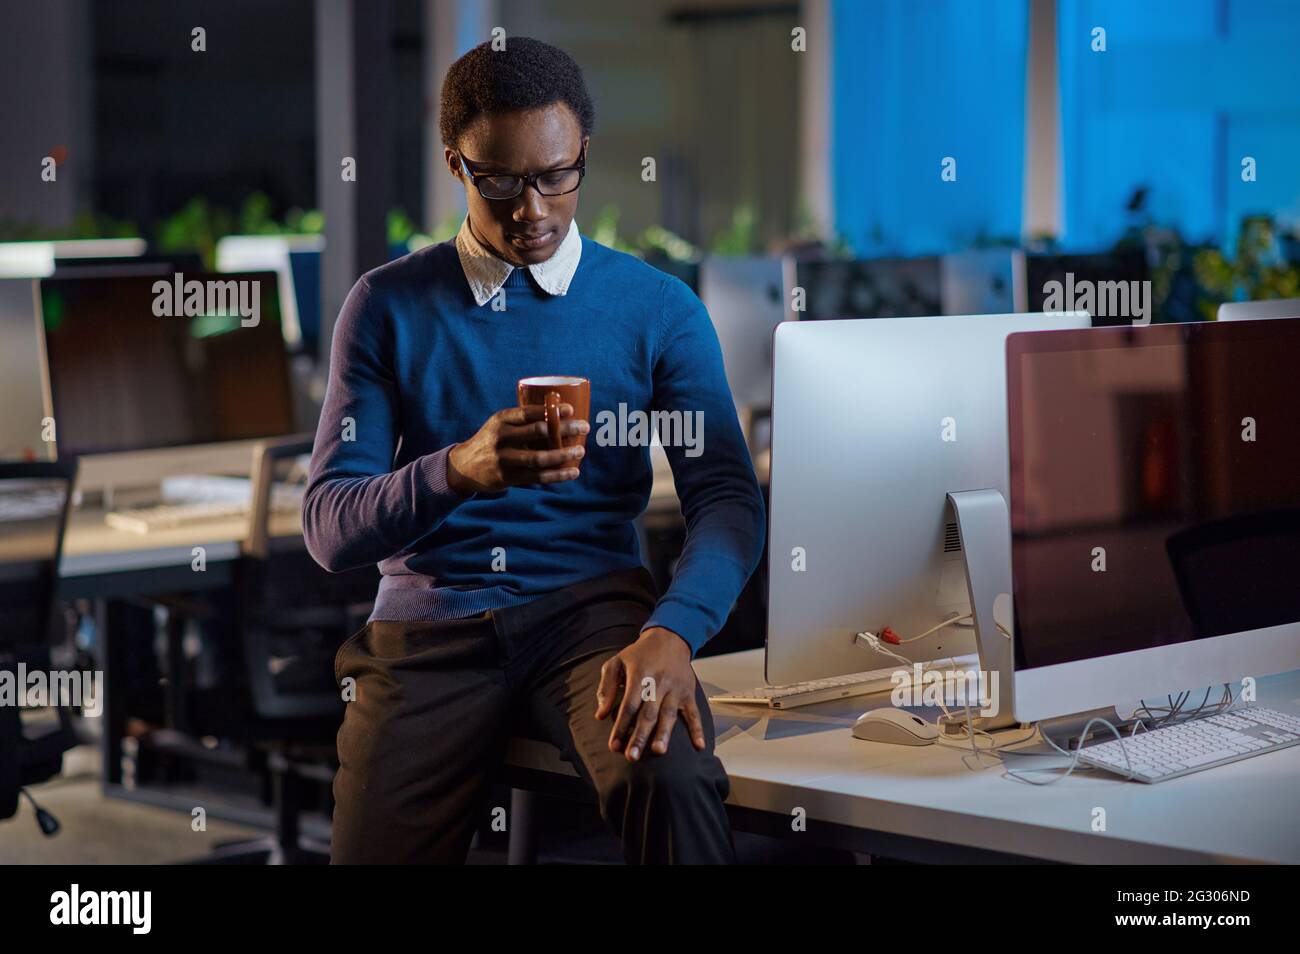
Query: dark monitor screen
(136, 364)
(1108, 278)
(870, 288)
(1154, 491)
(688, 272)
(89, 267)
(305, 265)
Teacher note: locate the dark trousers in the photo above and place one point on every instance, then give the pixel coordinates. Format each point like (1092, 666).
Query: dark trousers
(437, 702)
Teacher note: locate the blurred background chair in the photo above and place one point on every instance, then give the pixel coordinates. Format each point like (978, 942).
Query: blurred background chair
(34, 500)
(294, 615)
(1227, 571)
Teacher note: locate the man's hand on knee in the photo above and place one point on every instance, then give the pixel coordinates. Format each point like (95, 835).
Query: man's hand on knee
(655, 681)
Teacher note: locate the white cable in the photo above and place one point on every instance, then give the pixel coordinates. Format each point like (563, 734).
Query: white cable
(948, 622)
(1074, 756)
(994, 747)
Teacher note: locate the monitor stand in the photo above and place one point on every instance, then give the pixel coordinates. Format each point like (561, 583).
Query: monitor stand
(985, 529)
(1067, 731)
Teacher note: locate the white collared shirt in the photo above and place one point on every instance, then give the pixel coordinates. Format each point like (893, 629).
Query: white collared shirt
(486, 273)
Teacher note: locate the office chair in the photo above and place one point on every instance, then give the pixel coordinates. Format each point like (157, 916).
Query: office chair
(34, 500)
(1218, 568)
(294, 617)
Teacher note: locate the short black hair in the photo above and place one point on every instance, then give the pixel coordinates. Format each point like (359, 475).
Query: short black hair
(527, 74)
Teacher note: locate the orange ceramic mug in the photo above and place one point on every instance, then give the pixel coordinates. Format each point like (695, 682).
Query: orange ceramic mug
(550, 392)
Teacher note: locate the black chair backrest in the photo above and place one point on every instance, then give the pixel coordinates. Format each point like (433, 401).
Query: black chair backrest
(34, 501)
(1239, 573)
(296, 613)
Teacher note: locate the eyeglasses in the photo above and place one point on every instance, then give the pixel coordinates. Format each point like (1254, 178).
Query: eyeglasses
(550, 183)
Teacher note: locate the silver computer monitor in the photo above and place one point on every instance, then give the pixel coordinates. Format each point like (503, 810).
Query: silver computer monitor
(1249, 310)
(22, 393)
(744, 297)
(984, 281)
(874, 423)
(1155, 510)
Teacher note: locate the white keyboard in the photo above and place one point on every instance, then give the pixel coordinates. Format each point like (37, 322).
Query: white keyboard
(190, 500)
(1186, 747)
(820, 690)
(170, 516)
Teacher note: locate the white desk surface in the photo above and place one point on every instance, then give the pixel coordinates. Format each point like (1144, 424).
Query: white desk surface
(92, 547)
(778, 761)
(1246, 811)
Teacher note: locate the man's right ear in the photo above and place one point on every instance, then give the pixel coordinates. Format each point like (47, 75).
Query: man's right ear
(452, 159)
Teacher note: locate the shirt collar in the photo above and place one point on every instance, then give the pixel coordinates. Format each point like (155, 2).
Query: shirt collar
(486, 273)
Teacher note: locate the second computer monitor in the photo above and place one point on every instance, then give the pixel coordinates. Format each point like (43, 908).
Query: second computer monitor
(136, 364)
(1155, 511)
(1251, 310)
(874, 423)
(1112, 286)
(745, 300)
(867, 288)
(984, 281)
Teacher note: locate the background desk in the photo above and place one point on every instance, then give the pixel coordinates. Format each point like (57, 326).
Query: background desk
(922, 803)
(102, 563)
(117, 566)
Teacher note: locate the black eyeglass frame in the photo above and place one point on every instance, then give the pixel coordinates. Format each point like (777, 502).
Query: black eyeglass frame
(524, 180)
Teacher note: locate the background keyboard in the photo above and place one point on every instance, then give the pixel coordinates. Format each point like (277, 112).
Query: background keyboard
(836, 687)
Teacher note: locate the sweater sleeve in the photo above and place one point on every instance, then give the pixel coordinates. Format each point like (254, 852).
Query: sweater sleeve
(356, 510)
(720, 499)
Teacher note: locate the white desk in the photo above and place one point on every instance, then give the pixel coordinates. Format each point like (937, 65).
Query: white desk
(778, 761)
(92, 548)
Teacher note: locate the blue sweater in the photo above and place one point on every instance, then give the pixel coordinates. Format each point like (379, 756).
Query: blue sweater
(416, 367)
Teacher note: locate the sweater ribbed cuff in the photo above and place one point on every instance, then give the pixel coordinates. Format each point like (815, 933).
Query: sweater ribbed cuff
(684, 622)
(431, 470)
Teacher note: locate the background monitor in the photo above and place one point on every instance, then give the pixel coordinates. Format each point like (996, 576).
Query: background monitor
(247, 253)
(1122, 265)
(124, 379)
(869, 288)
(1155, 510)
(22, 394)
(151, 264)
(304, 264)
(687, 271)
(39, 259)
(984, 282)
(874, 423)
(745, 300)
(1250, 310)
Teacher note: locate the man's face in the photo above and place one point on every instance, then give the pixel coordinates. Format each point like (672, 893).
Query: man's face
(529, 228)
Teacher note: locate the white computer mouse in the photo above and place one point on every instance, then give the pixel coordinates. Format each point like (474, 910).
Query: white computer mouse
(897, 726)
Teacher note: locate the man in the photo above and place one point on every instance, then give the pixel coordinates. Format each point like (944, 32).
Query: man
(513, 595)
